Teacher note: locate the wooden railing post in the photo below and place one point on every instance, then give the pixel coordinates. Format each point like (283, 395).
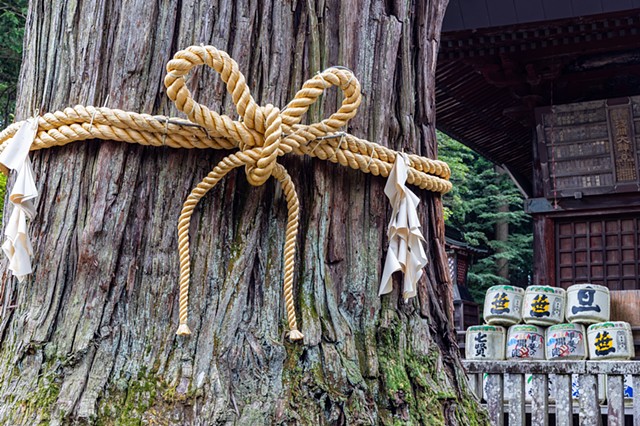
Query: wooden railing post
(540, 400)
(495, 399)
(588, 400)
(589, 404)
(636, 399)
(475, 384)
(516, 395)
(615, 371)
(615, 400)
(564, 400)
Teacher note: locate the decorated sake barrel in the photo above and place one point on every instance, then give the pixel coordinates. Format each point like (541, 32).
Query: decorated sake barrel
(543, 305)
(566, 341)
(610, 340)
(485, 342)
(503, 304)
(525, 341)
(587, 303)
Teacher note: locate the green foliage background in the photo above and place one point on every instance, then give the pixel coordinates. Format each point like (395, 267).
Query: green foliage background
(472, 208)
(12, 21)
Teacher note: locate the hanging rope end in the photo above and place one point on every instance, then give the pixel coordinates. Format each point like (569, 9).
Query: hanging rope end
(295, 335)
(183, 330)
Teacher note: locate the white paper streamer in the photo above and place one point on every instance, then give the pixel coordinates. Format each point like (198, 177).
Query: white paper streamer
(406, 252)
(17, 245)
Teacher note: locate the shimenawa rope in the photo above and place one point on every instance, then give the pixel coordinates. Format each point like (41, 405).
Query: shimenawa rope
(262, 135)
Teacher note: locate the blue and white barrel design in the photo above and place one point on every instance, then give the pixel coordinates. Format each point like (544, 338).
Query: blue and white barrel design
(610, 340)
(503, 304)
(543, 305)
(576, 391)
(525, 342)
(566, 341)
(485, 342)
(588, 304)
(628, 389)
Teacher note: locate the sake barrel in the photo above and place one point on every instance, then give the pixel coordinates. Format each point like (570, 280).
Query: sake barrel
(610, 340)
(543, 305)
(566, 341)
(485, 342)
(588, 303)
(525, 341)
(503, 304)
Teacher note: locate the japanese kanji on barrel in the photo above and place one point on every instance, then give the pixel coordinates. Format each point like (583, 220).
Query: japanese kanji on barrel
(485, 342)
(566, 341)
(588, 303)
(503, 304)
(543, 305)
(611, 340)
(525, 342)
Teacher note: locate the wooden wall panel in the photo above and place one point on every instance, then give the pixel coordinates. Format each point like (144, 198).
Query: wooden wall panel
(599, 250)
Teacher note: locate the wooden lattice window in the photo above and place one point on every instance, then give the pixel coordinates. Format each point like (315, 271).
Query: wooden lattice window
(599, 251)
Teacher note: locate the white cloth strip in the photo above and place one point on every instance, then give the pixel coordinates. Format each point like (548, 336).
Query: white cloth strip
(17, 245)
(406, 252)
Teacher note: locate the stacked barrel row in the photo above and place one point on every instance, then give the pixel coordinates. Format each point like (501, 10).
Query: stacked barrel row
(564, 314)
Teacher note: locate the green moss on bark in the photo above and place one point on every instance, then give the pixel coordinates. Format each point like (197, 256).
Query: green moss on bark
(414, 388)
(40, 403)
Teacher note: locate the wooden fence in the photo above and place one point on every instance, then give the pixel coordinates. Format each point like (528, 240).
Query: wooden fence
(502, 385)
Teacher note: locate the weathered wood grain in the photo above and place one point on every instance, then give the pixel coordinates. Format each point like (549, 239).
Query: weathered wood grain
(495, 397)
(564, 400)
(635, 382)
(540, 399)
(514, 384)
(588, 400)
(91, 337)
(615, 400)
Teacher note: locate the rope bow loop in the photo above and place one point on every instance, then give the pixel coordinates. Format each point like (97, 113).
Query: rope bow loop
(250, 131)
(309, 94)
(261, 128)
(260, 137)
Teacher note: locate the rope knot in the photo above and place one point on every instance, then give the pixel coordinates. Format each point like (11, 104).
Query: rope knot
(263, 133)
(265, 156)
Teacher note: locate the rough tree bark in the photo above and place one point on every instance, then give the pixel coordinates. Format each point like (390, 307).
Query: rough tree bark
(90, 337)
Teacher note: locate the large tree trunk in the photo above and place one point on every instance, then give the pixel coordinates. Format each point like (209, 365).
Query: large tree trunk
(90, 337)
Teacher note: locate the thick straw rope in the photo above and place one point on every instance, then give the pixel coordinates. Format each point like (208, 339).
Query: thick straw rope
(262, 135)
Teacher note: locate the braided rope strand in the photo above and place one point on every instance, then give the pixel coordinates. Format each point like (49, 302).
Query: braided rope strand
(224, 166)
(262, 135)
(293, 207)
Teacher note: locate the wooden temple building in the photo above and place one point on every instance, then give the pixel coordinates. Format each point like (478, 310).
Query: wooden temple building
(466, 312)
(550, 91)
